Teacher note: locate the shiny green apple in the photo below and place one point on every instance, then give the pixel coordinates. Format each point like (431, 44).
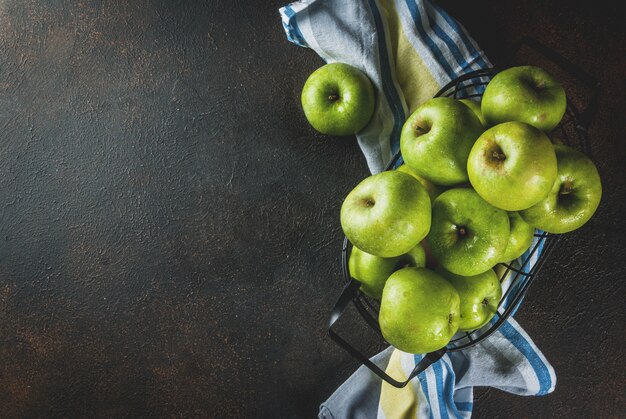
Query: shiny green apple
(525, 94)
(520, 239)
(512, 166)
(338, 99)
(437, 138)
(574, 197)
(475, 107)
(387, 214)
(432, 189)
(372, 271)
(480, 295)
(468, 235)
(419, 311)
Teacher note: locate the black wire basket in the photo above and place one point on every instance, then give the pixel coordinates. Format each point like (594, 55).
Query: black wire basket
(516, 277)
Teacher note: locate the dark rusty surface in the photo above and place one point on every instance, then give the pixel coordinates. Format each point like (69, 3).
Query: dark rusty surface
(169, 230)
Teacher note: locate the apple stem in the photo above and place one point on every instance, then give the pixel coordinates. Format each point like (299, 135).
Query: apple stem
(566, 187)
(420, 130)
(334, 97)
(462, 231)
(497, 155)
(369, 203)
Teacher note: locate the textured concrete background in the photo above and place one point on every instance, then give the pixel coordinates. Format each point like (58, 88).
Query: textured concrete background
(169, 223)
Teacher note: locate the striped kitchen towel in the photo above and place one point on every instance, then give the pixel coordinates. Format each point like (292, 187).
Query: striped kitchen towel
(410, 49)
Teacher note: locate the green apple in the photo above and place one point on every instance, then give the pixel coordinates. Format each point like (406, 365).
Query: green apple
(480, 295)
(468, 235)
(372, 271)
(512, 166)
(419, 311)
(525, 94)
(338, 99)
(475, 107)
(520, 239)
(387, 214)
(437, 138)
(574, 197)
(432, 189)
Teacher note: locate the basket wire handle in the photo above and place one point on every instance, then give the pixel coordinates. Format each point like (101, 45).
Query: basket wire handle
(586, 116)
(348, 295)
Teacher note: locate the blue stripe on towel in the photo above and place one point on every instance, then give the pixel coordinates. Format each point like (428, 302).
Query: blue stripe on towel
(475, 54)
(292, 27)
(465, 406)
(543, 242)
(461, 60)
(519, 279)
(448, 388)
(443, 412)
(456, 53)
(522, 345)
(422, 379)
(391, 94)
(440, 58)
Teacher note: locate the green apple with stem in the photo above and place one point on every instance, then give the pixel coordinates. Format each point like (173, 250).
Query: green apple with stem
(387, 214)
(475, 107)
(338, 99)
(480, 295)
(419, 311)
(525, 94)
(520, 239)
(512, 166)
(468, 235)
(437, 138)
(372, 271)
(432, 189)
(574, 197)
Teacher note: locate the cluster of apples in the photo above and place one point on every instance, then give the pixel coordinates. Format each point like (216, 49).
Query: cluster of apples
(478, 179)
